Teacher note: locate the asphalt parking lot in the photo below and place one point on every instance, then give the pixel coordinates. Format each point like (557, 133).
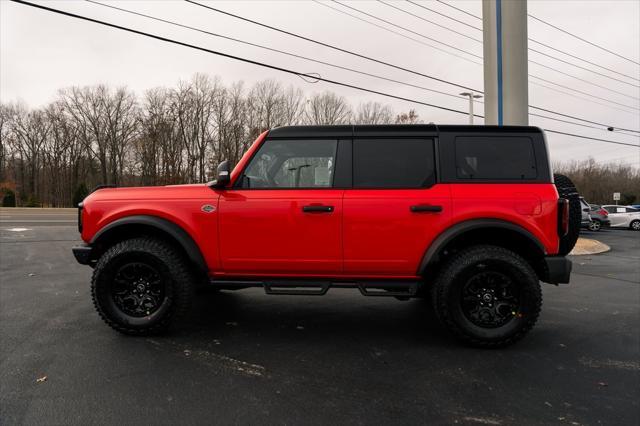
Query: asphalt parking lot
(249, 358)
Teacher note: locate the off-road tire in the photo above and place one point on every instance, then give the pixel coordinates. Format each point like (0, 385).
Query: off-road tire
(566, 189)
(169, 263)
(635, 225)
(447, 295)
(595, 225)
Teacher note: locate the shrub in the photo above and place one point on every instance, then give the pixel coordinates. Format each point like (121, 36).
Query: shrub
(9, 198)
(80, 193)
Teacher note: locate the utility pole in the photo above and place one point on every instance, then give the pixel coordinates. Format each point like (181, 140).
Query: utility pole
(504, 25)
(471, 98)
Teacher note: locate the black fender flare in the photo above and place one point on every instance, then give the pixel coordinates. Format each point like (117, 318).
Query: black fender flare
(181, 236)
(432, 255)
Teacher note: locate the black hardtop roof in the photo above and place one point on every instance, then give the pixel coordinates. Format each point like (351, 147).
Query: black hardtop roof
(392, 130)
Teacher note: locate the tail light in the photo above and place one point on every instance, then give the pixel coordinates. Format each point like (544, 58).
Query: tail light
(563, 217)
(603, 212)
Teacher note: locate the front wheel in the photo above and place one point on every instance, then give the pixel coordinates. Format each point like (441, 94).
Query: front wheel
(635, 225)
(487, 296)
(594, 225)
(141, 286)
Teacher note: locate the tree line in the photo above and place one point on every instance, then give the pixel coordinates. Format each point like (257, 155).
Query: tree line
(597, 182)
(51, 156)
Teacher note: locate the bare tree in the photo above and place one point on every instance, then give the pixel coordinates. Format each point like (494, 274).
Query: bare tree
(374, 113)
(597, 182)
(193, 105)
(327, 108)
(6, 113)
(30, 129)
(410, 117)
(94, 135)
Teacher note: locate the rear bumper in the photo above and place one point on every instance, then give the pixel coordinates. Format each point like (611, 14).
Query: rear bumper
(558, 270)
(82, 254)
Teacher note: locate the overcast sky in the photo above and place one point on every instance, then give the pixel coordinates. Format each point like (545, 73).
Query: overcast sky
(42, 52)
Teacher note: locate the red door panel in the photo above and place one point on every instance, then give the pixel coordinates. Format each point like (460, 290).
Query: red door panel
(267, 231)
(383, 236)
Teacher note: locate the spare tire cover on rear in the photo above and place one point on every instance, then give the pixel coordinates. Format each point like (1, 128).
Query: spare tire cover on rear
(566, 189)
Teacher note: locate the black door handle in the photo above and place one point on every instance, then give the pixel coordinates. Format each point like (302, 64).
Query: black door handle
(317, 209)
(425, 208)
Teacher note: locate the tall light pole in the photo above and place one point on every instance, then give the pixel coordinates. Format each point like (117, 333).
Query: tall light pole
(471, 98)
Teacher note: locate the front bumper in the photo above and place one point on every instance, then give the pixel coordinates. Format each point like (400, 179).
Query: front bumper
(558, 270)
(82, 254)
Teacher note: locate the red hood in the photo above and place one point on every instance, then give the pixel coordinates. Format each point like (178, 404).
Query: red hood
(169, 192)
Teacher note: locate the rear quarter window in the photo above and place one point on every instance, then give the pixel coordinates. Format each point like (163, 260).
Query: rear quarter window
(495, 158)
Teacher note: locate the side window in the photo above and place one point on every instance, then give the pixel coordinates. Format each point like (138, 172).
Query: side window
(393, 163)
(499, 158)
(292, 164)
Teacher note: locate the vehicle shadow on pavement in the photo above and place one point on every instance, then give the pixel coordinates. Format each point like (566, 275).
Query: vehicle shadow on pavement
(342, 317)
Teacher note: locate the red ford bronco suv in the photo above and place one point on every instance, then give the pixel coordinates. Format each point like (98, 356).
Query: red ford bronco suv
(468, 216)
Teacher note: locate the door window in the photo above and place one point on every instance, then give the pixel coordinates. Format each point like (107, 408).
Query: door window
(292, 164)
(388, 163)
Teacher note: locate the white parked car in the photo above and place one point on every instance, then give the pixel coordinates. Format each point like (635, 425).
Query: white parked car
(624, 217)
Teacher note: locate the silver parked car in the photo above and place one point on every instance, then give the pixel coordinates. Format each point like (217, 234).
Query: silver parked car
(585, 220)
(623, 217)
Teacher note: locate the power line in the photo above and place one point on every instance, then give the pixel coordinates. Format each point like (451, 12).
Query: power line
(534, 62)
(398, 33)
(313, 60)
(582, 59)
(237, 58)
(581, 67)
(408, 30)
(582, 39)
(273, 49)
(339, 49)
(582, 119)
(589, 137)
(375, 60)
(577, 124)
(431, 22)
(583, 80)
(445, 15)
(459, 10)
(265, 65)
(581, 92)
(530, 39)
(573, 95)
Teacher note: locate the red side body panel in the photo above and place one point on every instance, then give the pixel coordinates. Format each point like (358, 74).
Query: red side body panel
(369, 233)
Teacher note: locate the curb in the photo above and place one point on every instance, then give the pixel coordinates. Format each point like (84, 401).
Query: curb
(585, 246)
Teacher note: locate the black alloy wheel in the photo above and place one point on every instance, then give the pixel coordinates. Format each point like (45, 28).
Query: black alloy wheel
(490, 299)
(138, 289)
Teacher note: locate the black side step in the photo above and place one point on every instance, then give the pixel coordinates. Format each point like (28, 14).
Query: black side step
(318, 287)
(386, 288)
(308, 288)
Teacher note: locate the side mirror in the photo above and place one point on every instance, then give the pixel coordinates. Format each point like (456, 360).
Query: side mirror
(224, 175)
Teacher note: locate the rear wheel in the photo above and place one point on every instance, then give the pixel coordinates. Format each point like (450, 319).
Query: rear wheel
(635, 225)
(594, 225)
(141, 286)
(487, 296)
(567, 190)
